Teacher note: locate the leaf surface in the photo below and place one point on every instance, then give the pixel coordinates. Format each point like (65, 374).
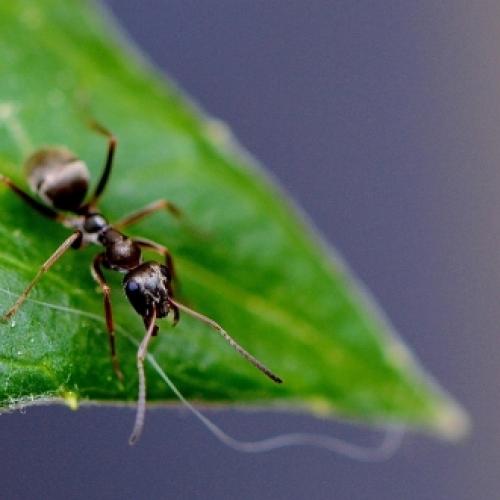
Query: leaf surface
(252, 264)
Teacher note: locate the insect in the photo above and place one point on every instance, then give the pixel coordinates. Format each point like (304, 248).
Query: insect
(61, 181)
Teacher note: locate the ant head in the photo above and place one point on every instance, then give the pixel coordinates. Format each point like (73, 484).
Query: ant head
(147, 287)
(58, 177)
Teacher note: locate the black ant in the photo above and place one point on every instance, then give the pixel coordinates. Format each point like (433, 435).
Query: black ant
(61, 180)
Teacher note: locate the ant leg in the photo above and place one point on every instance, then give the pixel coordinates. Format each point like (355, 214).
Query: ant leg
(98, 276)
(162, 250)
(68, 242)
(141, 400)
(108, 164)
(36, 205)
(150, 209)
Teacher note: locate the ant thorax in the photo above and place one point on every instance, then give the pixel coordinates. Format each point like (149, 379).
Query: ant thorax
(122, 253)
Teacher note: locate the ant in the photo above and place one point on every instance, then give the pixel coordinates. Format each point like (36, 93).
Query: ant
(61, 180)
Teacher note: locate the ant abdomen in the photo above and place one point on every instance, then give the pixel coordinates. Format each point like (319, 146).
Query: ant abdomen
(58, 177)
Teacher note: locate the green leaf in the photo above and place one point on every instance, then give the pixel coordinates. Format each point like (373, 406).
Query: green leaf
(253, 265)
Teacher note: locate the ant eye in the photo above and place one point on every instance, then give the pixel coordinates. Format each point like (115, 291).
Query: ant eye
(136, 297)
(132, 286)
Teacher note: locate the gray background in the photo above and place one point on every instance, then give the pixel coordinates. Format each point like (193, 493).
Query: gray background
(382, 120)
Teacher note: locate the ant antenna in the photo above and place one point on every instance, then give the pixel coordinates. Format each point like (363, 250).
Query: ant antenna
(141, 399)
(228, 339)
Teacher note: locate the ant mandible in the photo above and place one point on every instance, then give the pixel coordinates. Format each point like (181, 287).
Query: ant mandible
(61, 180)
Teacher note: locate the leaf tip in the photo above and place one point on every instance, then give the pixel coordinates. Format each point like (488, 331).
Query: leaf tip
(451, 421)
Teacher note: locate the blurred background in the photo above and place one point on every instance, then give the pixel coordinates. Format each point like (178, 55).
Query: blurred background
(382, 120)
